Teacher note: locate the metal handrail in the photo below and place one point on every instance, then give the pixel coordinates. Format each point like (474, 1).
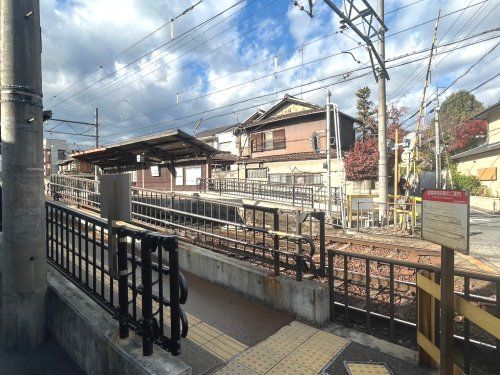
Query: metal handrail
(66, 229)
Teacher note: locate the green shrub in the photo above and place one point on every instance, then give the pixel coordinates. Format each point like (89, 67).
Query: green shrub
(466, 182)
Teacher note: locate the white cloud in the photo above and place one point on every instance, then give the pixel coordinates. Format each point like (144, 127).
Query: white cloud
(81, 35)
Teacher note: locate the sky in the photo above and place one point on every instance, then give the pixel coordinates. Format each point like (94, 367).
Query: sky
(230, 57)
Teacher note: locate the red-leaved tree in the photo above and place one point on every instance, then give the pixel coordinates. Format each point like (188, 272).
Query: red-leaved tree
(467, 134)
(361, 163)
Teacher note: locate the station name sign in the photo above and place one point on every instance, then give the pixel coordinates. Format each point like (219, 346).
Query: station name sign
(445, 218)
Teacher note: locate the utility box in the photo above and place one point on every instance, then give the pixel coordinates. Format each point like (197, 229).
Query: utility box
(116, 197)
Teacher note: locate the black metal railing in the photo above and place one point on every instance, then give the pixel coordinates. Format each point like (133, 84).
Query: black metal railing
(272, 237)
(380, 295)
(146, 290)
(283, 240)
(296, 195)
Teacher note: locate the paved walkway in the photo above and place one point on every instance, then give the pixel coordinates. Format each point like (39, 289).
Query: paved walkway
(299, 349)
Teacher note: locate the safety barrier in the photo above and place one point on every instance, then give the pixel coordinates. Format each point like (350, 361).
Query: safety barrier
(384, 296)
(268, 235)
(78, 246)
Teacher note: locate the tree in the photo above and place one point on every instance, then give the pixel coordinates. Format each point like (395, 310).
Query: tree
(457, 108)
(366, 110)
(468, 134)
(361, 163)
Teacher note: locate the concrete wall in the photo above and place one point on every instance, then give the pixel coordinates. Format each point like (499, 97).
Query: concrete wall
(491, 205)
(470, 166)
(89, 335)
(494, 126)
(308, 300)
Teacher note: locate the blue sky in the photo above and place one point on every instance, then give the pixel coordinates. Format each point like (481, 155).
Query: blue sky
(206, 73)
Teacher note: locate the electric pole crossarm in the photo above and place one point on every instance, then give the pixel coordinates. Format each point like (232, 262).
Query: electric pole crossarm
(366, 38)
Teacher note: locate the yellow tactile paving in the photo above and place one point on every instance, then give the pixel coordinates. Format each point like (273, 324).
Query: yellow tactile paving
(235, 369)
(209, 338)
(290, 367)
(295, 349)
(367, 369)
(259, 359)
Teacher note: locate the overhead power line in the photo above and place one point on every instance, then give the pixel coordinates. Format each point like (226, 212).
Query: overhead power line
(233, 104)
(157, 48)
(118, 80)
(125, 50)
(270, 75)
(336, 32)
(454, 82)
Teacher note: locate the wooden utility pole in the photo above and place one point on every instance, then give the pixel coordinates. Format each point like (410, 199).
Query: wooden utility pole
(382, 113)
(23, 263)
(426, 84)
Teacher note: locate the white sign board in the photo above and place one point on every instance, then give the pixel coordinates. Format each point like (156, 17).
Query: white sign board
(116, 199)
(445, 218)
(155, 171)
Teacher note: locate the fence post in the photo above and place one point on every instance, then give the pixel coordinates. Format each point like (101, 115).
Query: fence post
(357, 217)
(298, 246)
(276, 255)
(298, 266)
(331, 284)
(148, 320)
(293, 195)
(322, 244)
(123, 286)
(175, 309)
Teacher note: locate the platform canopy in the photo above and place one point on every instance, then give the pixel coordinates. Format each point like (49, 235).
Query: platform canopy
(166, 147)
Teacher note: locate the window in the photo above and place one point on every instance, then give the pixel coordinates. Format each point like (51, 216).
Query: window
(269, 140)
(279, 139)
(61, 154)
(193, 174)
(179, 176)
(256, 173)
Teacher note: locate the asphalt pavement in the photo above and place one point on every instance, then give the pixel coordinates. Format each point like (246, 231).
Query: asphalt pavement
(485, 236)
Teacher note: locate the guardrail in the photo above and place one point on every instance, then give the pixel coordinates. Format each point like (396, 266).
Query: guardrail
(363, 211)
(381, 294)
(78, 246)
(268, 235)
(296, 195)
(80, 191)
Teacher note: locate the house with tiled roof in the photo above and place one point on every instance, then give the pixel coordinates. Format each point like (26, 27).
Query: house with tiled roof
(287, 143)
(483, 161)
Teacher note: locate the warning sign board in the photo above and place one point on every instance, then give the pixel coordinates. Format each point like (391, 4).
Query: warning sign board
(445, 218)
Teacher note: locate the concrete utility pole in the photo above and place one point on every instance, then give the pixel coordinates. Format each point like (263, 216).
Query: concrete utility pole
(23, 266)
(382, 112)
(437, 140)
